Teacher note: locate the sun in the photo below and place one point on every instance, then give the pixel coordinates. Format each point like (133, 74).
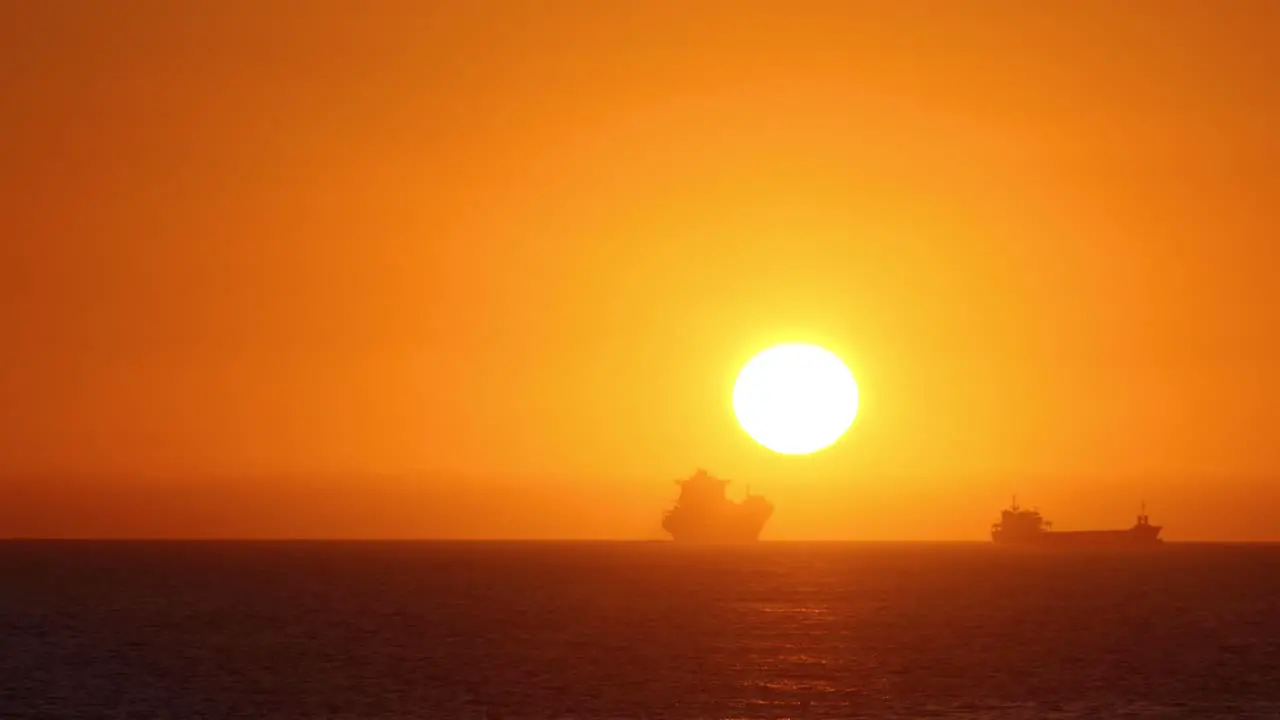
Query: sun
(795, 399)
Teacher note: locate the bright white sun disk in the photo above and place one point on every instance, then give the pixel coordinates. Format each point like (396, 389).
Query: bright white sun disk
(795, 399)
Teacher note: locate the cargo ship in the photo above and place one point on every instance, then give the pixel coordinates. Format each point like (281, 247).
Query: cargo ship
(703, 513)
(1022, 527)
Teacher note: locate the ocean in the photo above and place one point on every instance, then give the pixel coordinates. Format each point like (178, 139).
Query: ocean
(631, 630)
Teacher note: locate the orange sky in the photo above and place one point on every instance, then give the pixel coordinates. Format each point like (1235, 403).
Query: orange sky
(487, 268)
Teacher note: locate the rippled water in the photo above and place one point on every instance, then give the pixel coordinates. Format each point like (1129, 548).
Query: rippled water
(635, 630)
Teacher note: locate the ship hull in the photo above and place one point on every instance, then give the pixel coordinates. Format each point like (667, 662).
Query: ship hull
(713, 536)
(1147, 536)
(735, 528)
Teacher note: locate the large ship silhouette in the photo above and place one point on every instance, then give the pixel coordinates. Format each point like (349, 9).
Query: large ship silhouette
(704, 514)
(1021, 527)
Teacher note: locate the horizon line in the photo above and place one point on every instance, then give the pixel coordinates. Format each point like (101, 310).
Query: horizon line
(372, 540)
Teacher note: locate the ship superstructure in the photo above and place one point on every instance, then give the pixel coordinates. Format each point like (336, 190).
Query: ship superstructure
(703, 512)
(1020, 526)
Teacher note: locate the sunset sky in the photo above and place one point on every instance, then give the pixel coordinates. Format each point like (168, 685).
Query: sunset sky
(487, 268)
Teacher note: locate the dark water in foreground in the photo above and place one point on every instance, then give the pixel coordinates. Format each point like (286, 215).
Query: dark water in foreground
(635, 630)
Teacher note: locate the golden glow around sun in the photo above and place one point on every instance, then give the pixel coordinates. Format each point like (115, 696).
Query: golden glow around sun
(795, 399)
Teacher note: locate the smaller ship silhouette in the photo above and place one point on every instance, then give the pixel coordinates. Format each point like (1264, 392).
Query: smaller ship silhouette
(704, 514)
(1021, 527)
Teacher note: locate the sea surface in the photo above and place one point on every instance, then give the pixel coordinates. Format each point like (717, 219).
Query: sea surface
(439, 630)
